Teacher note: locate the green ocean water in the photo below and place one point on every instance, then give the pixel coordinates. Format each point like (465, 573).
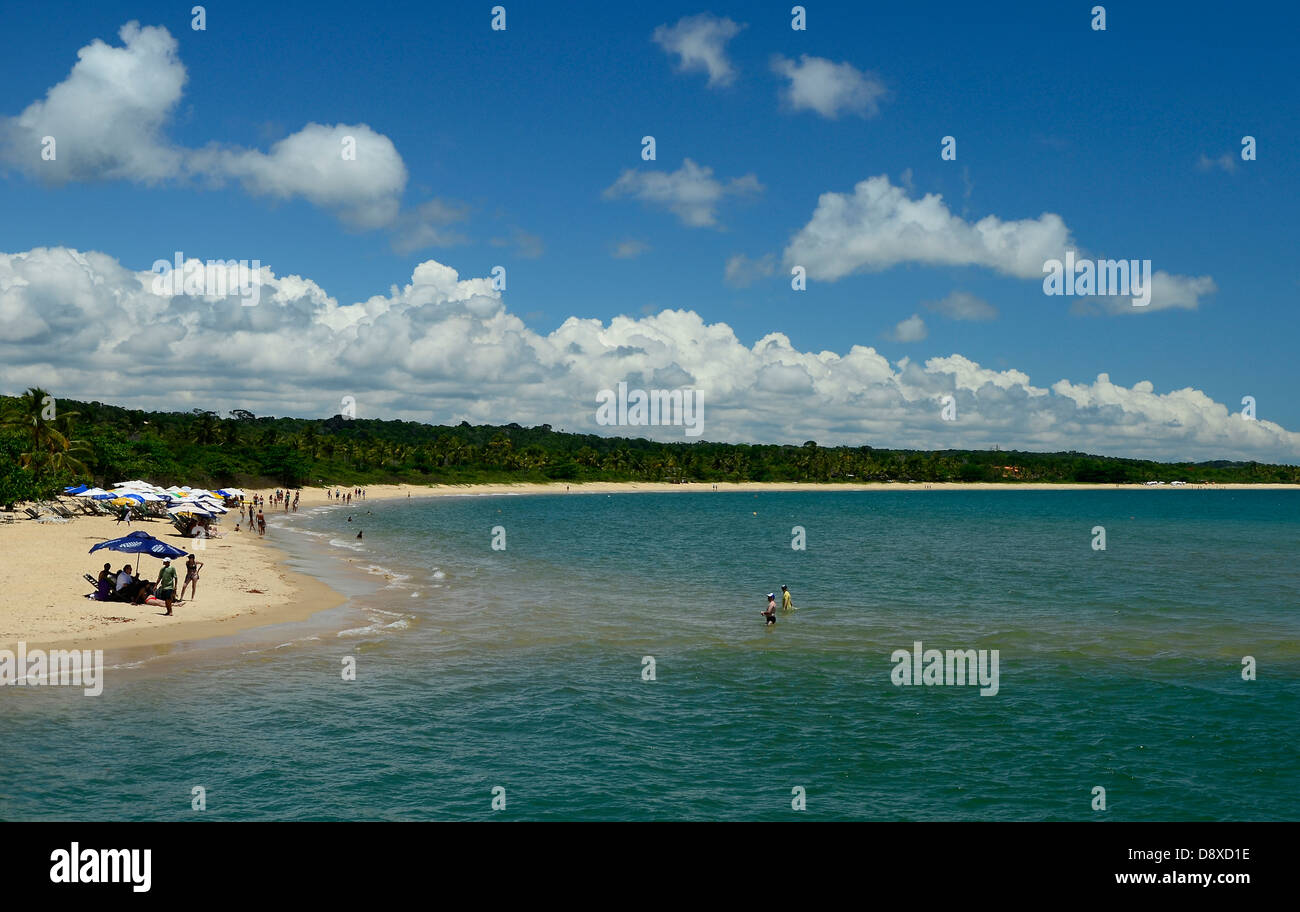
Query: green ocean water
(522, 669)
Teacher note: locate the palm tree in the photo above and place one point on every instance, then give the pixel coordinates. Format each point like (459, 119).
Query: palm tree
(33, 415)
(205, 428)
(68, 456)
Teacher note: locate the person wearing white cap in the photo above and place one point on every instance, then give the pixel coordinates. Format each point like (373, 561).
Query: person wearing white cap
(770, 611)
(167, 583)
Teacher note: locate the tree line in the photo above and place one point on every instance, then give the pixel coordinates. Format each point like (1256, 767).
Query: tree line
(46, 444)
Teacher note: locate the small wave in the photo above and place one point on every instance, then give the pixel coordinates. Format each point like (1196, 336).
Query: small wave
(350, 545)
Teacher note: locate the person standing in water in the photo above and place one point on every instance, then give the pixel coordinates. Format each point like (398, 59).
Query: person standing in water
(770, 611)
(785, 600)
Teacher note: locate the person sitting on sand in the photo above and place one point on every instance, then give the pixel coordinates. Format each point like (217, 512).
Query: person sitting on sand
(770, 611)
(192, 568)
(104, 585)
(124, 579)
(167, 583)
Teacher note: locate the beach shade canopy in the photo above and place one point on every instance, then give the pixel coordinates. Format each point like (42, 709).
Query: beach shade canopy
(96, 494)
(138, 543)
(231, 492)
(194, 508)
(77, 490)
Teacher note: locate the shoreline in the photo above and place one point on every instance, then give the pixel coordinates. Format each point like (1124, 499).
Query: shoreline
(397, 491)
(247, 582)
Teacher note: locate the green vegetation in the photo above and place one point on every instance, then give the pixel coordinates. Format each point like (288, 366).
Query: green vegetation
(45, 445)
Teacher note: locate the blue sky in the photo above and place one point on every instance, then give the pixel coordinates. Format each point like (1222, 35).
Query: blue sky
(514, 139)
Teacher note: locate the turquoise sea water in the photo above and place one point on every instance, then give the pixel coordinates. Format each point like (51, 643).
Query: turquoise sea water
(522, 668)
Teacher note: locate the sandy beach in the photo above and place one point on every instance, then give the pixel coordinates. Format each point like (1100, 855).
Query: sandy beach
(245, 583)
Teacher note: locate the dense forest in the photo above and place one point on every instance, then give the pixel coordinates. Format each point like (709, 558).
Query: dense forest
(46, 444)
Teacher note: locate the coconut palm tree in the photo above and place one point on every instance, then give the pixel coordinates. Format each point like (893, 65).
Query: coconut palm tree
(34, 415)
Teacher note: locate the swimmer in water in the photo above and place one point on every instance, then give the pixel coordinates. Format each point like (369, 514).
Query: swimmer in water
(358, 535)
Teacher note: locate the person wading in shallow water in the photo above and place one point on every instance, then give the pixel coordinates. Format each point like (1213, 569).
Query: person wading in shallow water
(770, 611)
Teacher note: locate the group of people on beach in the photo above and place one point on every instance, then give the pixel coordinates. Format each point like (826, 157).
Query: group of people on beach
(281, 499)
(770, 611)
(124, 586)
(257, 522)
(346, 496)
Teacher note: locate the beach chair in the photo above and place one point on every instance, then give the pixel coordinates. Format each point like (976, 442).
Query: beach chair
(6, 517)
(63, 511)
(90, 579)
(31, 513)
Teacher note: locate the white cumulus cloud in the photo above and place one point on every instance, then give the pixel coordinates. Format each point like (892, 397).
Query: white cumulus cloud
(879, 226)
(691, 192)
(441, 348)
(700, 44)
(108, 120)
(829, 88)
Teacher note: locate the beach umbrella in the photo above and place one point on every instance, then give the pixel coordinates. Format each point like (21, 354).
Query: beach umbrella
(77, 490)
(138, 543)
(92, 492)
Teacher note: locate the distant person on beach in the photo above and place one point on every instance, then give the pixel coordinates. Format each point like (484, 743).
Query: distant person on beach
(192, 568)
(124, 516)
(261, 523)
(785, 600)
(770, 611)
(167, 583)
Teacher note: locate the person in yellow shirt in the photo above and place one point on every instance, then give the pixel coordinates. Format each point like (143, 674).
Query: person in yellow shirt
(785, 600)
